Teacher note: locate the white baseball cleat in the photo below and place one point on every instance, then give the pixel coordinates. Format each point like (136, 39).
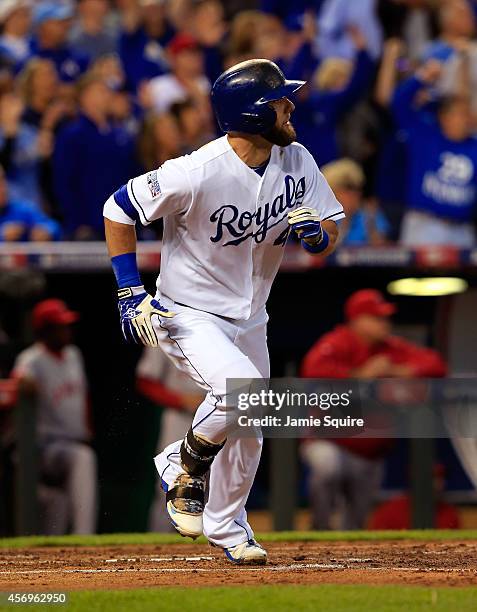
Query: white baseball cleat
(248, 553)
(185, 505)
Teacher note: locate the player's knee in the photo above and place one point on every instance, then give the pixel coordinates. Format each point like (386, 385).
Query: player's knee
(245, 383)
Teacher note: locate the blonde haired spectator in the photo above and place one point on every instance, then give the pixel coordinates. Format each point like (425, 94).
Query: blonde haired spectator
(244, 30)
(344, 172)
(41, 90)
(332, 74)
(15, 25)
(364, 224)
(29, 118)
(270, 42)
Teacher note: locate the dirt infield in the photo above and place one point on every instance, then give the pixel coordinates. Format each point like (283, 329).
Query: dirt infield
(452, 563)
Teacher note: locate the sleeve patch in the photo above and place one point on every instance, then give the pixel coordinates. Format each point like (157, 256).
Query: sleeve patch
(153, 184)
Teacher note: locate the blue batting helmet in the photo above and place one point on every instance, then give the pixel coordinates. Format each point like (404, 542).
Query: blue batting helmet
(241, 94)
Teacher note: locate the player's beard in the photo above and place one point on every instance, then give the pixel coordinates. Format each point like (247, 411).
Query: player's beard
(281, 136)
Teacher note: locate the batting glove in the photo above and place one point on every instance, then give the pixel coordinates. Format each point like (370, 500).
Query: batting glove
(136, 309)
(305, 222)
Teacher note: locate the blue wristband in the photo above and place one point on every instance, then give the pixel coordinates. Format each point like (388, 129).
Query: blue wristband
(125, 270)
(317, 248)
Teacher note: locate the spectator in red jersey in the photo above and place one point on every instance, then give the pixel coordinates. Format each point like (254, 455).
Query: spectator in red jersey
(396, 513)
(347, 471)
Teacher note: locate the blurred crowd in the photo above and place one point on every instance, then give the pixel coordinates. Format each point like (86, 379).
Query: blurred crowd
(93, 92)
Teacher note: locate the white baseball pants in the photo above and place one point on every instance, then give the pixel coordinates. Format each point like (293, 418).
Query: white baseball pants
(211, 349)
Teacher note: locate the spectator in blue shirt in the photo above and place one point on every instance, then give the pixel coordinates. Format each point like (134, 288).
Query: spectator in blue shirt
(455, 48)
(334, 21)
(457, 23)
(145, 34)
(93, 157)
(441, 164)
(287, 10)
(387, 176)
(207, 25)
(28, 121)
(15, 23)
(94, 34)
(52, 23)
(340, 85)
(20, 222)
(125, 109)
(298, 54)
(365, 224)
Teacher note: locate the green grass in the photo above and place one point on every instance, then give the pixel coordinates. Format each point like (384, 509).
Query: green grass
(118, 539)
(342, 598)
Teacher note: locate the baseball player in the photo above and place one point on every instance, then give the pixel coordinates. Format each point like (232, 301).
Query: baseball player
(54, 367)
(228, 209)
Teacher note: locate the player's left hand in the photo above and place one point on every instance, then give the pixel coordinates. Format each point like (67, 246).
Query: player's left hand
(136, 309)
(307, 225)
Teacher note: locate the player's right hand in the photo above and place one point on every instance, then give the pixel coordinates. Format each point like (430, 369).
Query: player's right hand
(136, 309)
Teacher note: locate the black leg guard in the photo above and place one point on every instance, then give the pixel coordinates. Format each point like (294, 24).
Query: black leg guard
(197, 454)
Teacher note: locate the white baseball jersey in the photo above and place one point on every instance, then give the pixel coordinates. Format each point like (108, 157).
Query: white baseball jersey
(61, 382)
(225, 226)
